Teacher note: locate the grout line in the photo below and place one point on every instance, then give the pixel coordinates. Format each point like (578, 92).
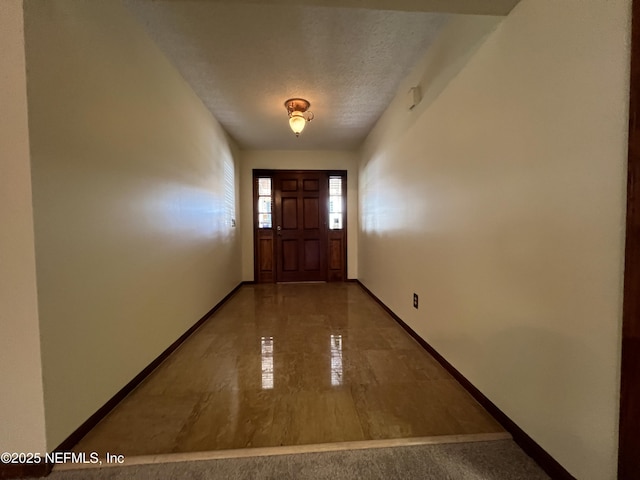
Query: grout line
(289, 450)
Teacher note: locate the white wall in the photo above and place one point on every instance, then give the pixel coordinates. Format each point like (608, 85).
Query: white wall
(501, 203)
(298, 160)
(21, 401)
(134, 192)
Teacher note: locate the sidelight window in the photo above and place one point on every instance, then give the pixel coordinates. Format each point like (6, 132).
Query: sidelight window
(265, 205)
(335, 203)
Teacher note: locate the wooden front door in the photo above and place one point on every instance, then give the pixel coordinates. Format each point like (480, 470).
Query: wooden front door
(300, 216)
(299, 226)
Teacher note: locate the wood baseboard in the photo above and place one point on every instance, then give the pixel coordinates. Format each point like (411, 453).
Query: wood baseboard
(530, 446)
(102, 412)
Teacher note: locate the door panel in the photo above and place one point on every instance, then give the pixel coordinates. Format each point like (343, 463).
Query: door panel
(335, 254)
(266, 254)
(310, 185)
(311, 213)
(312, 255)
(301, 227)
(289, 213)
(289, 255)
(288, 185)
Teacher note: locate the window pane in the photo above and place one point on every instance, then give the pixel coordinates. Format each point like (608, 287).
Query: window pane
(264, 220)
(264, 205)
(335, 221)
(335, 204)
(264, 186)
(335, 186)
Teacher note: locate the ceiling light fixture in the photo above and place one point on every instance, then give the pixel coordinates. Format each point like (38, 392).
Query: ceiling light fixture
(297, 108)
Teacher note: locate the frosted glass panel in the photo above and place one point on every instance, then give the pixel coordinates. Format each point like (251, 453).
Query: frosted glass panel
(335, 186)
(264, 186)
(335, 221)
(264, 220)
(335, 203)
(264, 205)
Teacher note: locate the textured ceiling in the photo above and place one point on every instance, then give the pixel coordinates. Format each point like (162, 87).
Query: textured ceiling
(245, 59)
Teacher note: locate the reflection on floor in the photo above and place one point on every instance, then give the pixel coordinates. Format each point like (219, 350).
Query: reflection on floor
(290, 365)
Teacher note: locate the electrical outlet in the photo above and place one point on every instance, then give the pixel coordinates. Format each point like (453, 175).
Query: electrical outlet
(415, 300)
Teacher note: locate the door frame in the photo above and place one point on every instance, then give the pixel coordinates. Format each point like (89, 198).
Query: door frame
(262, 236)
(629, 421)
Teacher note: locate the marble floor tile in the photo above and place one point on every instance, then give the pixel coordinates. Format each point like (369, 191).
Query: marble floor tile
(290, 365)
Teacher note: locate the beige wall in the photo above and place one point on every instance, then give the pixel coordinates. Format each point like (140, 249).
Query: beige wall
(501, 203)
(298, 160)
(134, 192)
(21, 401)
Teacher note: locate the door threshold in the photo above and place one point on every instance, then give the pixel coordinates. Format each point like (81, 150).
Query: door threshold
(252, 452)
(293, 283)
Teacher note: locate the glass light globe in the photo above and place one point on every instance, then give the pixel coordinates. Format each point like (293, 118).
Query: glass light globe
(297, 122)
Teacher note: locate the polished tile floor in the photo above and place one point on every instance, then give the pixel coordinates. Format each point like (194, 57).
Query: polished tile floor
(290, 365)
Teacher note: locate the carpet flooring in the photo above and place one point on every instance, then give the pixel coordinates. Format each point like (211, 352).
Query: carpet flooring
(493, 460)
